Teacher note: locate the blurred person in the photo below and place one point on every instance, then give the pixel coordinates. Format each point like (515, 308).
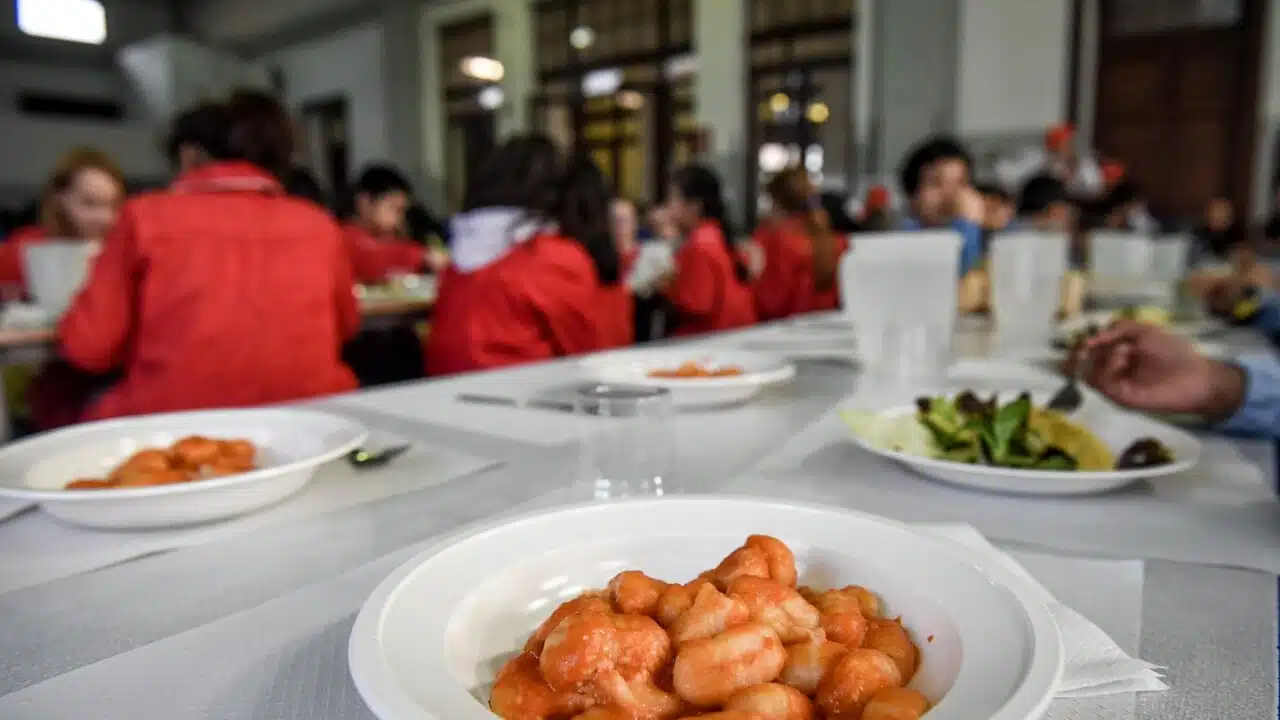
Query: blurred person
(80, 202)
(300, 182)
(1218, 236)
(374, 242)
(936, 178)
(1124, 208)
(709, 291)
(535, 266)
(220, 292)
(802, 251)
(1043, 205)
(198, 137)
(877, 213)
(999, 208)
(1145, 368)
(1059, 157)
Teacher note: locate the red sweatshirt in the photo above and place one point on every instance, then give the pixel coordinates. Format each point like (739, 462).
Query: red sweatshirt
(221, 292)
(786, 287)
(705, 291)
(373, 258)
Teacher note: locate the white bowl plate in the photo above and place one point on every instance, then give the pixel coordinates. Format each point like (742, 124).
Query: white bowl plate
(429, 641)
(1117, 428)
(634, 368)
(291, 444)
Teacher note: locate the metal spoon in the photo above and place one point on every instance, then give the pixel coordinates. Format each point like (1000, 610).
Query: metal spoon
(1068, 399)
(363, 459)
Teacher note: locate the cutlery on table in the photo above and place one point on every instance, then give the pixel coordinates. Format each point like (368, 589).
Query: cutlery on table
(531, 404)
(1068, 399)
(362, 458)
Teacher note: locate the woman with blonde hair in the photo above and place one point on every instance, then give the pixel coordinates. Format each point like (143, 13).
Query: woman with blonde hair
(80, 202)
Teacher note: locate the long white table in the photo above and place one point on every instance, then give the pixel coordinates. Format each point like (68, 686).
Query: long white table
(255, 625)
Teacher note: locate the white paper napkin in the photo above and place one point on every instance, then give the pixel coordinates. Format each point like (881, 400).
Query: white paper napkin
(1095, 665)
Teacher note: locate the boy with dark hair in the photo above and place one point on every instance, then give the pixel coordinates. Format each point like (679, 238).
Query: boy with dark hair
(936, 178)
(375, 235)
(1043, 205)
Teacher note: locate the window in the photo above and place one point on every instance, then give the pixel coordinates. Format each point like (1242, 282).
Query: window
(82, 21)
(473, 95)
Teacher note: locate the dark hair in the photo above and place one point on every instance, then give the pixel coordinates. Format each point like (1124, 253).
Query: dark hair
(524, 172)
(834, 204)
(528, 172)
(783, 189)
(1122, 194)
(992, 190)
(699, 183)
(259, 131)
(1040, 193)
(204, 126)
(931, 151)
(584, 216)
(301, 183)
(378, 180)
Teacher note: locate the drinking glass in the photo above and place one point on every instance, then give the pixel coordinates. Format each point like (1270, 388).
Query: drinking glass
(899, 292)
(1026, 286)
(628, 447)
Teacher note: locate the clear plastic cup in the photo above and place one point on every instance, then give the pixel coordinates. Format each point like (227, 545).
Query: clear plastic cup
(899, 292)
(1026, 285)
(628, 447)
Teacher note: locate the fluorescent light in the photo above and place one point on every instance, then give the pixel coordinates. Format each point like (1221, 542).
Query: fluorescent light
(482, 68)
(81, 21)
(601, 82)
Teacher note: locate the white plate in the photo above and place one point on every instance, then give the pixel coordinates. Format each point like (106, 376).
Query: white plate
(291, 443)
(633, 368)
(428, 642)
(1118, 429)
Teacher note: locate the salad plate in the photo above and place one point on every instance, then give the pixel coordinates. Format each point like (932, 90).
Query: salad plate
(1011, 444)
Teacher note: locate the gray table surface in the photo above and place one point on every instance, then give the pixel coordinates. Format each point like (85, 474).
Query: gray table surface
(1214, 627)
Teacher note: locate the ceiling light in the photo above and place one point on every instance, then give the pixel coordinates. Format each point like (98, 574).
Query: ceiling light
(779, 103)
(605, 81)
(818, 113)
(582, 37)
(773, 157)
(481, 68)
(81, 21)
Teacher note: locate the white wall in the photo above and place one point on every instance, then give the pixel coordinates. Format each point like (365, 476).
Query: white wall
(348, 64)
(1013, 66)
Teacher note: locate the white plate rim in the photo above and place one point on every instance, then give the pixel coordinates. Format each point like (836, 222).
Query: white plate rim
(783, 371)
(373, 679)
(358, 434)
(1119, 476)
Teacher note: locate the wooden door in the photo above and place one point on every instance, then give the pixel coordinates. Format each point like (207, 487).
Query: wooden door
(1177, 98)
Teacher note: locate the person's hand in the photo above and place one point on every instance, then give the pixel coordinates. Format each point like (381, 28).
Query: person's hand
(970, 205)
(437, 259)
(1145, 368)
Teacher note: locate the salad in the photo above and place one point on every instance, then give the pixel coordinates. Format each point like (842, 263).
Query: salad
(1015, 434)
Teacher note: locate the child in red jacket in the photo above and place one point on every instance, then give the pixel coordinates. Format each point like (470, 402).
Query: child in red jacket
(535, 271)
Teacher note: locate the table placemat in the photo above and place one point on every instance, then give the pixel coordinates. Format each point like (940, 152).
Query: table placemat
(287, 657)
(55, 627)
(1223, 512)
(36, 548)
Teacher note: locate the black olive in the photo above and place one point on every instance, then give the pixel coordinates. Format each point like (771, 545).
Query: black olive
(969, 404)
(1144, 453)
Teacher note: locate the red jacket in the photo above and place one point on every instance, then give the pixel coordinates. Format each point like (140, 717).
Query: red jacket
(13, 269)
(221, 292)
(540, 300)
(373, 258)
(706, 291)
(786, 287)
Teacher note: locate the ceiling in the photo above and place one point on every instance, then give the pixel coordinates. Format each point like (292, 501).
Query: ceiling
(256, 25)
(248, 26)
